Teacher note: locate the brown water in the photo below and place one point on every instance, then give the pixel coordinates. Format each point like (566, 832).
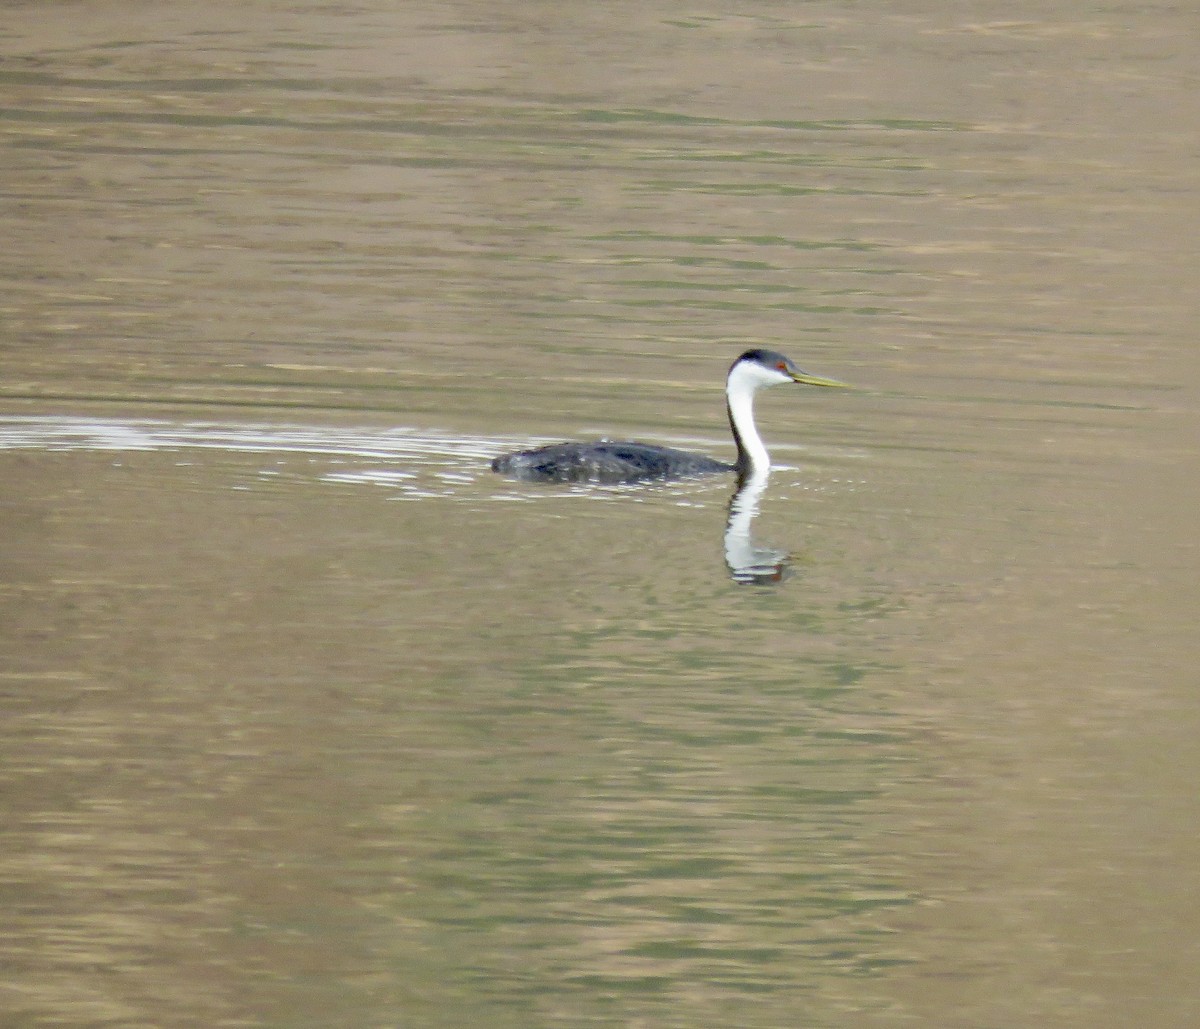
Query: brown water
(310, 720)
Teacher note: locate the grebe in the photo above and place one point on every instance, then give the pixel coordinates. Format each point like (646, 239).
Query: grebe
(631, 462)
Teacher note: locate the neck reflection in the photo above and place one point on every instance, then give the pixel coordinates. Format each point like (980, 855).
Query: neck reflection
(747, 562)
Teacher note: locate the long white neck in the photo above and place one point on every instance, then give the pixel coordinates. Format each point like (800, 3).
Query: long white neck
(744, 381)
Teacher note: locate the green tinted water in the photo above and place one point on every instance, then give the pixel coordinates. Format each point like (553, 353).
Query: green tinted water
(311, 720)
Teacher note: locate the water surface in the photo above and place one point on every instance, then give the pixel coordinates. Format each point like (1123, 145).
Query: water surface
(309, 719)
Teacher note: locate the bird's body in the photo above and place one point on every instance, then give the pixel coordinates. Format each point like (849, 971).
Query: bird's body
(615, 462)
(606, 461)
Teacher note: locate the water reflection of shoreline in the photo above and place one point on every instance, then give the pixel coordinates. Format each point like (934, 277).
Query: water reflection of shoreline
(748, 562)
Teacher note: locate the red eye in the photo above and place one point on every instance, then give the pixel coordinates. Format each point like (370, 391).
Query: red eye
(781, 366)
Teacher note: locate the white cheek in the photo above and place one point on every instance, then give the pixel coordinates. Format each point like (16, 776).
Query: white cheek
(755, 376)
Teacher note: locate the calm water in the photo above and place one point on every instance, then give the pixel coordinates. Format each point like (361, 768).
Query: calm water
(310, 720)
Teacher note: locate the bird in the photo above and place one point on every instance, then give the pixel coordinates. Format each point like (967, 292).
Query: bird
(626, 462)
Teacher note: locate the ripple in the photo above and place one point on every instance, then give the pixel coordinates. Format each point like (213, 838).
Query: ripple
(405, 459)
(412, 463)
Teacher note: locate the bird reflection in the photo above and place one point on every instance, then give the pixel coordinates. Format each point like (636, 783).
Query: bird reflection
(748, 562)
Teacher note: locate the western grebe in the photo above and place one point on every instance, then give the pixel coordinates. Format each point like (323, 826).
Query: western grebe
(630, 462)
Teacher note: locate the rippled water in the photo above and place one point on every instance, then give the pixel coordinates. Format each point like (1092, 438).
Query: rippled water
(310, 719)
